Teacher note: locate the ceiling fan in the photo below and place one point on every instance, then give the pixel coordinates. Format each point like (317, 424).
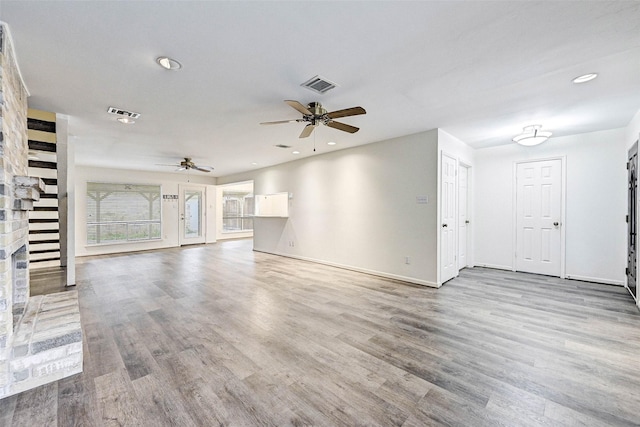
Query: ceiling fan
(314, 114)
(188, 164)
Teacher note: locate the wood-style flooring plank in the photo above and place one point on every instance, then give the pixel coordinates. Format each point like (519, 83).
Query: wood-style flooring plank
(37, 407)
(221, 335)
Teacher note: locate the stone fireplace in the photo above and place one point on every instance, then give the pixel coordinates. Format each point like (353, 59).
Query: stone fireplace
(20, 291)
(40, 337)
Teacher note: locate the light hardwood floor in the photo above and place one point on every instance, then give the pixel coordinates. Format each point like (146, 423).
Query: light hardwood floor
(220, 335)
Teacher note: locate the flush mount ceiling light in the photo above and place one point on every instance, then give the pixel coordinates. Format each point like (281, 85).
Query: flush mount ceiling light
(532, 135)
(168, 63)
(585, 78)
(126, 120)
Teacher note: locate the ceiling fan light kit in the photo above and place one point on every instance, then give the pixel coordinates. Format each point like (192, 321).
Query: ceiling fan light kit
(314, 114)
(188, 164)
(532, 135)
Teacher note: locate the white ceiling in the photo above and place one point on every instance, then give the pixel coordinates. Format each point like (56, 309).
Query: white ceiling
(479, 70)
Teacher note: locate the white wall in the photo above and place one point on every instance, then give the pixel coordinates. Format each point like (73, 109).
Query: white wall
(595, 203)
(357, 208)
(170, 208)
(632, 130)
(454, 147)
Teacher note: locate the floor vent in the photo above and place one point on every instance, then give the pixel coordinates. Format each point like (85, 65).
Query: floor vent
(123, 113)
(319, 84)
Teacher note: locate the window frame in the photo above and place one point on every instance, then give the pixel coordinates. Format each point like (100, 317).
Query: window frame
(128, 223)
(242, 217)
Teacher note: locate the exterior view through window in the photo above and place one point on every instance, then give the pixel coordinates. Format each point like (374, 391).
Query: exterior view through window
(118, 213)
(237, 211)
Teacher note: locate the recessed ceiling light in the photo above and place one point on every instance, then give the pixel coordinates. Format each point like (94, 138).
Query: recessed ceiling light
(168, 63)
(126, 120)
(295, 152)
(331, 143)
(254, 163)
(585, 78)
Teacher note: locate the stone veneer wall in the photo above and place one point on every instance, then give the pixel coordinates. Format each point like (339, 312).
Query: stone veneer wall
(40, 337)
(14, 224)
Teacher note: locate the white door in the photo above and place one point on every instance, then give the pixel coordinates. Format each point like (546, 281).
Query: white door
(463, 215)
(192, 207)
(538, 217)
(448, 269)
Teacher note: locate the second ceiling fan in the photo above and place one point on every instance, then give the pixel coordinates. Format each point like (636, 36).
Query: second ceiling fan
(314, 114)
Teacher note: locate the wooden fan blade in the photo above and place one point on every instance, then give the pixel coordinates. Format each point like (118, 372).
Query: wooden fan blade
(201, 169)
(343, 127)
(307, 130)
(279, 121)
(301, 108)
(354, 111)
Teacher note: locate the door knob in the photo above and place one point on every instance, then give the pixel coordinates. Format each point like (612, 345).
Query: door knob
(466, 221)
(444, 225)
(556, 223)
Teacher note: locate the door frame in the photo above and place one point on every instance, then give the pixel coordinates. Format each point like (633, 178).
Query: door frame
(203, 220)
(563, 208)
(633, 218)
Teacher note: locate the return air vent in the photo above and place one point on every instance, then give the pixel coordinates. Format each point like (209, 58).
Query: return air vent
(123, 113)
(319, 84)
(282, 146)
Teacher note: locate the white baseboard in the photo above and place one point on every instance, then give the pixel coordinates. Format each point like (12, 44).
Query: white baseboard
(496, 266)
(594, 280)
(357, 269)
(567, 276)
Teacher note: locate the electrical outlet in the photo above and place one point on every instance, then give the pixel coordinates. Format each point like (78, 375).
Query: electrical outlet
(407, 260)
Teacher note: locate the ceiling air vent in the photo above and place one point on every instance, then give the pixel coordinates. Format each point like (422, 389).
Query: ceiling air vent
(123, 113)
(282, 146)
(319, 84)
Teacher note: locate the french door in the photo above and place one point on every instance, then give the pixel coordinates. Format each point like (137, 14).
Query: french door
(192, 206)
(632, 169)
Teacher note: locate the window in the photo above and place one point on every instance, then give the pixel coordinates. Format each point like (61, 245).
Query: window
(122, 213)
(237, 211)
